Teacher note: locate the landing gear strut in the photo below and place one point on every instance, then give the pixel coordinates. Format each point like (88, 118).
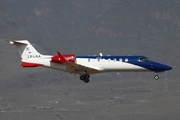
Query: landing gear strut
(85, 78)
(156, 77)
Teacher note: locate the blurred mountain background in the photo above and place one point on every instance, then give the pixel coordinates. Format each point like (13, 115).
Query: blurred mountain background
(88, 27)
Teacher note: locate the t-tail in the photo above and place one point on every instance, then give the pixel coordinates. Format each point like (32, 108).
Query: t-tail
(27, 52)
(25, 49)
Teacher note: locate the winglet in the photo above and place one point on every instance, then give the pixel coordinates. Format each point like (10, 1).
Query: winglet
(62, 59)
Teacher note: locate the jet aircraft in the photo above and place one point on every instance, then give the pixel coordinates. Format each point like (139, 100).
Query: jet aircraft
(84, 66)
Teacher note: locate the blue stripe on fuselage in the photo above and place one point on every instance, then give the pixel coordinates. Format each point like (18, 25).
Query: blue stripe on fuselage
(127, 59)
(117, 58)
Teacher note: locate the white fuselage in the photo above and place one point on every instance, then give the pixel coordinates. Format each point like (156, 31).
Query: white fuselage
(102, 65)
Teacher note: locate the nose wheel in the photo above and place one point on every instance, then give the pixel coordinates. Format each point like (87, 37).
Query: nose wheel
(85, 78)
(156, 77)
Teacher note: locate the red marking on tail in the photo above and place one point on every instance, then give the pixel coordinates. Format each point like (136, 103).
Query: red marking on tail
(26, 64)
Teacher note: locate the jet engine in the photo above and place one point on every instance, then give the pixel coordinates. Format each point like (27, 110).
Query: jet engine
(68, 57)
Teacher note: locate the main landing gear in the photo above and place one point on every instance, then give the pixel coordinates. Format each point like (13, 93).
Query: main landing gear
(85, 78)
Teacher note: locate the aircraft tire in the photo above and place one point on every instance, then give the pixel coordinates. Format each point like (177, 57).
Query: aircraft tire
(156, 77)
(86, 80)
(82, 77)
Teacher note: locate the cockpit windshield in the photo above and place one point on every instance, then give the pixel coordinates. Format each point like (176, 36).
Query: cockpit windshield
(144, 59)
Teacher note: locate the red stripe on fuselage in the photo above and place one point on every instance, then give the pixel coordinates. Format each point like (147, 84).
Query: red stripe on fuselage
(26, 64)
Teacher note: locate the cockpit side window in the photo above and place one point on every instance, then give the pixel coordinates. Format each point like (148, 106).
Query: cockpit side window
(144, 59)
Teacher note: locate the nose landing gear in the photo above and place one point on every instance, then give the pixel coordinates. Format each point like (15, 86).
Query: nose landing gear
(156, 77)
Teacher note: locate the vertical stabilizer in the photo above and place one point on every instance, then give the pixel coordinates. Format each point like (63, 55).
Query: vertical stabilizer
(25, 49)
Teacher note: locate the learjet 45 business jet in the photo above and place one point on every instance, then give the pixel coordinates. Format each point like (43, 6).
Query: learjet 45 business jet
(84, 66)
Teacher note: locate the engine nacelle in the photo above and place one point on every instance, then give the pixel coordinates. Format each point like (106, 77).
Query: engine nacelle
(68, 57)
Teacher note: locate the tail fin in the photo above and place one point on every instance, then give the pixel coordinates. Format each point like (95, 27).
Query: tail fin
(25, 49)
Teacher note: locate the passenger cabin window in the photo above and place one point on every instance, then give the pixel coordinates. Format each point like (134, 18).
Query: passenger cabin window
(109, 59)
(120, 59)
(144, 59)
(126, 60)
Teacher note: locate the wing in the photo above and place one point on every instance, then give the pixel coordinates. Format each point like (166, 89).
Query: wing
(73, 67)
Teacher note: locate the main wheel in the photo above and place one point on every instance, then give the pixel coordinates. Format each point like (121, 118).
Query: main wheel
(156, 77)
(86, 80)
(82, 77)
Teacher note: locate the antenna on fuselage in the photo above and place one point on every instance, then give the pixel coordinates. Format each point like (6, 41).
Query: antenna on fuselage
(101, 54)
